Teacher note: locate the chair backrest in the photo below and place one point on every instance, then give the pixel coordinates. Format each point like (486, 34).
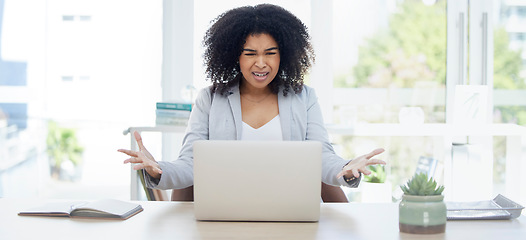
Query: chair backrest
(185, 194)
(151, 194)
(332, 194)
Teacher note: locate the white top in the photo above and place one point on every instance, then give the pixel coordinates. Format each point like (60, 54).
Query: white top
(271, 131)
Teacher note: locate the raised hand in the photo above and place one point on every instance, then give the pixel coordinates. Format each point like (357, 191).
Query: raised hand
(359, 164)
(142, 158)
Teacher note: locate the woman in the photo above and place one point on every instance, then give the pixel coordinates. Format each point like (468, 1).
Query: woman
(256, 58)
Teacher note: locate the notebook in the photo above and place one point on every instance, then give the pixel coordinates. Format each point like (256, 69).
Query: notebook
(257, 180)
(103, 209)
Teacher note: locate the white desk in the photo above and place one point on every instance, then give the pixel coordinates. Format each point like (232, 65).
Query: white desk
(175, 220)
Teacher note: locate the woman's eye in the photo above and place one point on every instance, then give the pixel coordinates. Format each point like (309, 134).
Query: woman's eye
(250, 54)
(271, 53)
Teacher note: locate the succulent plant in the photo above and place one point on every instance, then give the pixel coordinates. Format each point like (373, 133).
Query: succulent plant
(422, 185)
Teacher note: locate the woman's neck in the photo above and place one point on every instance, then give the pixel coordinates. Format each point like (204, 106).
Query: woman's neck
(244, 89)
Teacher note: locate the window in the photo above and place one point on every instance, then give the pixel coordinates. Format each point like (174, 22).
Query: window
(68, 18)
(67, 78)
(388, 61)
(389, 67)
(68, 84)
(509, 76)
(85, 18)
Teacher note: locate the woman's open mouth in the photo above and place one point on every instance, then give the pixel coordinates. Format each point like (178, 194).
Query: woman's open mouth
(260, 75)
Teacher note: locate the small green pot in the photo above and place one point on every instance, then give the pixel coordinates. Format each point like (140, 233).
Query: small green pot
(422, 214)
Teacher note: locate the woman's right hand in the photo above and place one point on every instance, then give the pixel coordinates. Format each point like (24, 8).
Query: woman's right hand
(142, 158)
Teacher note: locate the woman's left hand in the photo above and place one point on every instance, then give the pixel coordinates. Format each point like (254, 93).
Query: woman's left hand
(359, 164)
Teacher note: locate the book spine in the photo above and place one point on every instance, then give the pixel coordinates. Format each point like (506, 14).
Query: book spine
(174, 106)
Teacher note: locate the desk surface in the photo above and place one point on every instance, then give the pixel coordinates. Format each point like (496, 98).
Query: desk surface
(175, 220)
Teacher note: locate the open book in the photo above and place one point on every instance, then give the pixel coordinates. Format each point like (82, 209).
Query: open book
(105, 208)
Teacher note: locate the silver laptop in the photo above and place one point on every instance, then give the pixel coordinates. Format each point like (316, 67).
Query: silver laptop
(257, 180)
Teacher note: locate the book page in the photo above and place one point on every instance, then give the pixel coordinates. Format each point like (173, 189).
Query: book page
(106, 208)
(53, 208)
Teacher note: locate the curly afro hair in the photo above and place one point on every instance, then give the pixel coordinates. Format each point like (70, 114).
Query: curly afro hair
(224, 42)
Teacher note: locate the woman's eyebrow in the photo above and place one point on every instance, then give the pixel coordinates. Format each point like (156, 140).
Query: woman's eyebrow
(252, 50)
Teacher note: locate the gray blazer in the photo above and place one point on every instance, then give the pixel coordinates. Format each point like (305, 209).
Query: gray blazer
(218, 117)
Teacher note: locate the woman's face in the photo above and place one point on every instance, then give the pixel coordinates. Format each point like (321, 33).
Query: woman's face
(259, 60)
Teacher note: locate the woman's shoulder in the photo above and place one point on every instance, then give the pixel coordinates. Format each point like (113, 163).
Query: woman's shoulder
(204, 95)
(307, 93)
(308, 90)
(206, 90)
(208, 94)
(211, 90)
(307, 97)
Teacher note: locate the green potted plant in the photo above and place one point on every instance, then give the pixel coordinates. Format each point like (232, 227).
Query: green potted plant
(422, 209)
(375, 187)
(63, 149)
(377, 174)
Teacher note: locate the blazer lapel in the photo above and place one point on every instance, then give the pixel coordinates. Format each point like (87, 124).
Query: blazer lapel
(235, 106)
(285, 115)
